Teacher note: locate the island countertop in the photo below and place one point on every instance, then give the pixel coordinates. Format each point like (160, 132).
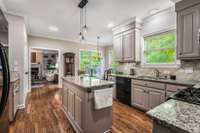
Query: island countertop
(87, 82)
(177, 115)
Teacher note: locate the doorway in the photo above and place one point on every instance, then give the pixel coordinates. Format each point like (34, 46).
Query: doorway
(44, 67)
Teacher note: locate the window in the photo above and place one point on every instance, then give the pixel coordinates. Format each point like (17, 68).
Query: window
(160, 49)
(111, 60)
(89, 60)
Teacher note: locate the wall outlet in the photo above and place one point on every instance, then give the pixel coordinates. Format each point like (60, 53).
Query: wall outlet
(189, 70)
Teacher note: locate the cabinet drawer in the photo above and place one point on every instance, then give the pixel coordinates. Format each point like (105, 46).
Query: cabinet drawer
(139, 82)
(150, 84)
(175, 88)
(160, 86)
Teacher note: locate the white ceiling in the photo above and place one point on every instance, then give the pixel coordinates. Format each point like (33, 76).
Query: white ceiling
(40, 14)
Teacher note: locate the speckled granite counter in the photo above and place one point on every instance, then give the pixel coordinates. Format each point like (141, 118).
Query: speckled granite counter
(177, 82)
(178, 116)
(87, 82)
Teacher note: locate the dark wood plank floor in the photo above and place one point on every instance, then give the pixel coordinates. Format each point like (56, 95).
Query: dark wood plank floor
(43, 114)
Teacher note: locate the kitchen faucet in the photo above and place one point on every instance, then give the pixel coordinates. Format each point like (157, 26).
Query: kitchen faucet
(156, 72)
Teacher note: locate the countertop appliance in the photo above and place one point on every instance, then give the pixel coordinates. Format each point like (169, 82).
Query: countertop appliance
(4, 75)
(123, 90)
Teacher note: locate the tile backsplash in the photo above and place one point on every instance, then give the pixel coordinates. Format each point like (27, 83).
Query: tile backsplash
(188, 70)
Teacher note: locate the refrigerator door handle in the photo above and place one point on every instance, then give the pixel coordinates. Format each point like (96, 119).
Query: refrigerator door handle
(6, 79)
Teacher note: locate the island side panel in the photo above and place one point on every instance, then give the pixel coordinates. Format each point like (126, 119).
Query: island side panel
(72, 99)
(96, 121)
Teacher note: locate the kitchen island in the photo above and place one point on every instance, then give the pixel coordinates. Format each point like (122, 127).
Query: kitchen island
(79, 107)
(176, 116)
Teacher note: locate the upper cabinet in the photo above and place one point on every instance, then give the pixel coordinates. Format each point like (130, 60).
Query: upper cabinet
(118, 47)
(188, 29)
(126, 42)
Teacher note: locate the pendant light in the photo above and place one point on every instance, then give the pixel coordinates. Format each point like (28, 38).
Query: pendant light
(83, 20)
(85, 28)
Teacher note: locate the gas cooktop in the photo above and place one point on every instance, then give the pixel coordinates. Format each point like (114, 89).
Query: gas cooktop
(191, 95)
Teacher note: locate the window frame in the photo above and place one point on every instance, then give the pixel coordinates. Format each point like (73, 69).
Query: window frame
(176, 64)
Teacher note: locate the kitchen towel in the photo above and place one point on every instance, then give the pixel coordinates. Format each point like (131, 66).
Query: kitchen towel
(103, 98)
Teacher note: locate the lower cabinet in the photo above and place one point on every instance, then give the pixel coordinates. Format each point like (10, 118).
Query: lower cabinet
(147, 98)
(78, 111)
(147, 95)
(73, 104)
(156, 97)
(140, 97)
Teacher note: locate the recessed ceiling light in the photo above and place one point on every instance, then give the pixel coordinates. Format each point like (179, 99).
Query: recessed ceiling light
(153, 11)
(110, 25)
(53, 28)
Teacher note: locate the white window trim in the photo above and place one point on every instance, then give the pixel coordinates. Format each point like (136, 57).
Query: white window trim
(91, 50)
(176, 64)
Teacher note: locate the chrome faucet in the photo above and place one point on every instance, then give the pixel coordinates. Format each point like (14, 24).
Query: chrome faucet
(156, 72)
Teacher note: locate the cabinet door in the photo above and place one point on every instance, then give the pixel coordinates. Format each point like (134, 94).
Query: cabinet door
(65, 98)
(71, 104)
(188, 33)
(117, 45)
(156, 97)
(139, 97)
(78, 111)
(128, 45)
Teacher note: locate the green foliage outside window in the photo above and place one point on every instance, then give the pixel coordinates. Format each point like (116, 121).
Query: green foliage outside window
(89, 60)
(160, 49)
(112, 62)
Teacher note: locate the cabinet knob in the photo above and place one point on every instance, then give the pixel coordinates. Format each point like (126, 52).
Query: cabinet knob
(180, 53)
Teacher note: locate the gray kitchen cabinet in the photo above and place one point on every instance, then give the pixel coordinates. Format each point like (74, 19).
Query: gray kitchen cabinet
(140, 97)
(72, 101)
(78, 111)
(65, 98)
(146, 94)
(71, 97)
(156, 97)
(188, 28)
(126, 42)
(117, 47)
(128, 47)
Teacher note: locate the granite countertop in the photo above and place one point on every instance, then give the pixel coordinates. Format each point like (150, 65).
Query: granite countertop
(177, 115)
(87, 82)
(177, 82)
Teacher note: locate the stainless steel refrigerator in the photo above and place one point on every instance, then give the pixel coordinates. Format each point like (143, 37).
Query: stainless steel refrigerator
(4, 75)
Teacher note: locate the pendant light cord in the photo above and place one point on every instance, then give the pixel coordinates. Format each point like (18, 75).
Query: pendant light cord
(85, 16)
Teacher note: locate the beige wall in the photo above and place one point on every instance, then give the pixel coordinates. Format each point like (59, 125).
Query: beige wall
(62, 46)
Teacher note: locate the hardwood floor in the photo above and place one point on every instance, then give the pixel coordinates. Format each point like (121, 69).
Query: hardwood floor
(43, 114)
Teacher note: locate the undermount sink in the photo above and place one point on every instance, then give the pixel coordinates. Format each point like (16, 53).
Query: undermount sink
(151, 78)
